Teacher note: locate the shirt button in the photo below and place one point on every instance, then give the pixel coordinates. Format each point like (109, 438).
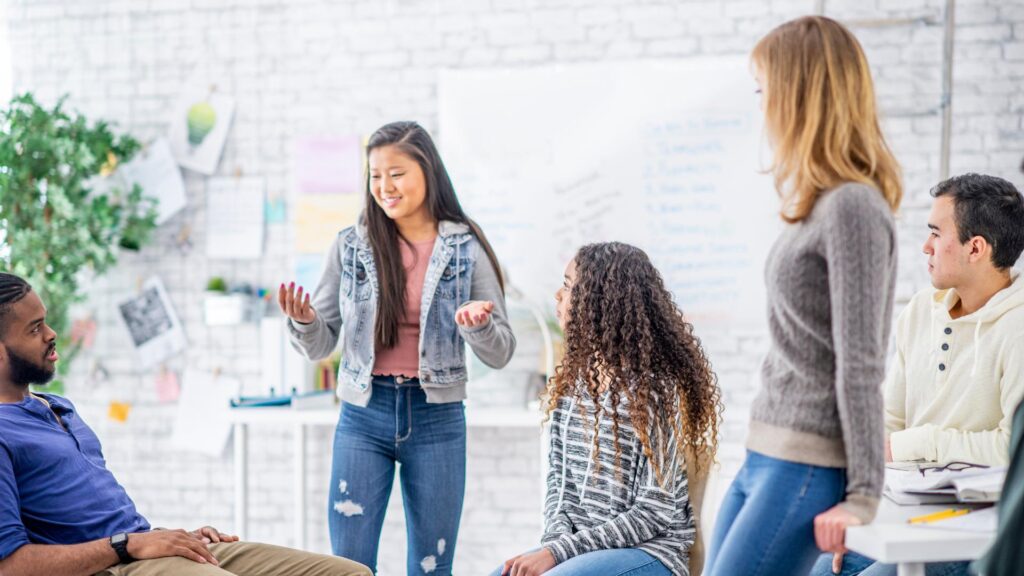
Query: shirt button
(945, 346)
(948, 330)
(942, 367)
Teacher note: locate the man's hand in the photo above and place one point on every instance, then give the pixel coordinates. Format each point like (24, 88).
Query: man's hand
(211, 535)
(165, 543)
(830, 529)
(532, 564)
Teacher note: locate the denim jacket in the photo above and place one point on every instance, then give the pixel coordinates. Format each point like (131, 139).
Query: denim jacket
(345, 302)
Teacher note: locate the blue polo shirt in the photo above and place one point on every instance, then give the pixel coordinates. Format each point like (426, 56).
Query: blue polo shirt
(54, 484)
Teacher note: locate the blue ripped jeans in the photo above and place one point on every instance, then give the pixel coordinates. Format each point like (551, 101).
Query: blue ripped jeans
(765, 525)
(428, 441)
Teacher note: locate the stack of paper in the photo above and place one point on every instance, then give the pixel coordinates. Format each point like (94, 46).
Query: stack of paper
(935, 486)
(980, 488)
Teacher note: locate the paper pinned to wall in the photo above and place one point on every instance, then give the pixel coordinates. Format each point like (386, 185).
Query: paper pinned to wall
(199, 127)
(155, 170)
(326, 165)
(308, 269)
(202, 422)
(154, 327)
(234, 218)
(318, 219)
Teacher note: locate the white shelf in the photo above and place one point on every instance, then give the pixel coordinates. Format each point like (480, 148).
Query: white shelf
(475, 417)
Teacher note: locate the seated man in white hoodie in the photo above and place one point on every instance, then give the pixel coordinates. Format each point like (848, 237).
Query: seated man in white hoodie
(958, 373)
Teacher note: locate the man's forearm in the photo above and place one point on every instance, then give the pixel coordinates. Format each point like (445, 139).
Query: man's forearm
(60, 560)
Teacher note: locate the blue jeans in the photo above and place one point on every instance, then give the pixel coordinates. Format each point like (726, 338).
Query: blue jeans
(854, 564)
(617, 562)
(766, 522)
(429, 441)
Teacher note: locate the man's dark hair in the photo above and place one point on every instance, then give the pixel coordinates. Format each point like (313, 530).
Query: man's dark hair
(989, 207)
(12, 290)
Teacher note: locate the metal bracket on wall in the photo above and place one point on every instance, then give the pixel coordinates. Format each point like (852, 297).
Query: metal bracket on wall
(945, 106)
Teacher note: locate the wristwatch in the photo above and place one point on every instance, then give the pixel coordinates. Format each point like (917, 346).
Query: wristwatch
(119, 542)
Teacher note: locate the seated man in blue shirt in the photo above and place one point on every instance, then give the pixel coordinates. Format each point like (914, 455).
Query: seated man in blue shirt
(63, 513)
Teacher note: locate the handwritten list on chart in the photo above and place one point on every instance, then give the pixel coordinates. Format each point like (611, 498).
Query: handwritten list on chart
(690, 216)
(668, 161)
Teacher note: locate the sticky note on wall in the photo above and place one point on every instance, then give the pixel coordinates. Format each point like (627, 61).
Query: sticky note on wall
(167, 388)
(118, 411)
(318, 219)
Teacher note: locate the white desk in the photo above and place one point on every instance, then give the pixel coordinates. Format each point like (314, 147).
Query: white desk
(242, 418)
(891, 540)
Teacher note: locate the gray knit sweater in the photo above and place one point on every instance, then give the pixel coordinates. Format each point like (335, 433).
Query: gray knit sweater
(589, 508)
(830, 282)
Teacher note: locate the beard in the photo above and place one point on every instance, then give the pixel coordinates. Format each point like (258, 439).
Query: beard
(24, 372)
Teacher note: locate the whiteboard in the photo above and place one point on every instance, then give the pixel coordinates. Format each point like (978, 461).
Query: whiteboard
(665, 155)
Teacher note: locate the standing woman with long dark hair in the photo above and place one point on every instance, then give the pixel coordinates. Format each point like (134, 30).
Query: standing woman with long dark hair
(406, 286)
(814, 460)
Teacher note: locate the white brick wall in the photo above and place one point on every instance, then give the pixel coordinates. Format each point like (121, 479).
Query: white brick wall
(317, 66)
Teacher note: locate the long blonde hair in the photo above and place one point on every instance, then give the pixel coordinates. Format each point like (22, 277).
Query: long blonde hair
(821, 116)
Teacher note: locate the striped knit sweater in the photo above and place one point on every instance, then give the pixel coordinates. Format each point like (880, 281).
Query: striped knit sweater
(587, 509)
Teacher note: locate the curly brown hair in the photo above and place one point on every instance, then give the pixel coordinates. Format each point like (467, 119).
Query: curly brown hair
(626, 337)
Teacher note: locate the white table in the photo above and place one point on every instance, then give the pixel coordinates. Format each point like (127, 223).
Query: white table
(891, 540)
(242, 418)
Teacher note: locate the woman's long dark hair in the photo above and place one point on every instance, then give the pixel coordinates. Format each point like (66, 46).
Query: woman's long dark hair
(410, 139)
(626, 337)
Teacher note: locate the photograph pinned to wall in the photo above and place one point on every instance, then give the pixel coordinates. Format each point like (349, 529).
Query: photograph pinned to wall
(156, 171)
(199, 127)
(154, 327)
(234, 218)
(327, 165)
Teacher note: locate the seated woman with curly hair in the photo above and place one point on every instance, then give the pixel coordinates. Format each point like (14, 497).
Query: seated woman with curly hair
(634, 411)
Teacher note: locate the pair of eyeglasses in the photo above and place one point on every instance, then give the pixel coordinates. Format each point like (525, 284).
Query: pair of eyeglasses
(952, 467)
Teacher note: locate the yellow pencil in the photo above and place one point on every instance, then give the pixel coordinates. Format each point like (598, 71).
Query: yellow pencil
(940, 515)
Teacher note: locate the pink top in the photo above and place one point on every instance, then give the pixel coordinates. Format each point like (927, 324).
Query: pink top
(404, 358)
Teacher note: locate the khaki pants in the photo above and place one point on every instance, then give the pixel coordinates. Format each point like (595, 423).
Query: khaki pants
(244, 559)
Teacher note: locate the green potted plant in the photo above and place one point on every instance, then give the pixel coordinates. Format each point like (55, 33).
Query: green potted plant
(61, 215)
(224, 307)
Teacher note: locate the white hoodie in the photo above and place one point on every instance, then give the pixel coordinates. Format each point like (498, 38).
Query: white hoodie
(953, 387)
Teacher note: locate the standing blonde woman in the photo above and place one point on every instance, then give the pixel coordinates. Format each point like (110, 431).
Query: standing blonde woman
(814, 460)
